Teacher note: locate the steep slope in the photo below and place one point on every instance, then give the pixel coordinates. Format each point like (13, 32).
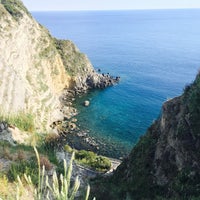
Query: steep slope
(165, 164)
(32, 72)
(35, 67)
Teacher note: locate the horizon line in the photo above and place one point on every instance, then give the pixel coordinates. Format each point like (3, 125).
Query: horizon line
(135, 9)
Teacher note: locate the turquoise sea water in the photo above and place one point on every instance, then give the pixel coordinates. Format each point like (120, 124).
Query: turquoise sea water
(156, 53)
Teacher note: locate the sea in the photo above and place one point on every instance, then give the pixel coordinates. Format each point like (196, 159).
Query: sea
(155, 52)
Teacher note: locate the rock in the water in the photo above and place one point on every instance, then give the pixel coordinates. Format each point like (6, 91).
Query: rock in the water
(86, 103)
(72, 126)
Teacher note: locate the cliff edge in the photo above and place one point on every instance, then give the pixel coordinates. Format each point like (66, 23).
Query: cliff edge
(165, 164)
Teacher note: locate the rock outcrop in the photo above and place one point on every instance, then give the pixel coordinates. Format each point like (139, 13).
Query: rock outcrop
(35, 67)
(165, 164)
(80, 69)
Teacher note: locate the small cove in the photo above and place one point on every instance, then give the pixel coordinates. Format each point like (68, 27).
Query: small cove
(155, 52)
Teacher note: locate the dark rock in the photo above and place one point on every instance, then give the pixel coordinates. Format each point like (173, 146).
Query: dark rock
(3, 126)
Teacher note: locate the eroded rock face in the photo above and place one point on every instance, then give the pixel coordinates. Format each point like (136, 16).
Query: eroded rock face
(178, 144)
(32, 74)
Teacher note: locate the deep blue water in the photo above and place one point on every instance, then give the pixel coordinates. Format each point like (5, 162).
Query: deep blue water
(156, 53)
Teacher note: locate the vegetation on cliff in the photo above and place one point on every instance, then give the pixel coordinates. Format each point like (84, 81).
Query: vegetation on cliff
(71, 57)
(15, 8)
(23, 121)
(90, 159)
(192, 100)
(165, 162)
(35, 177)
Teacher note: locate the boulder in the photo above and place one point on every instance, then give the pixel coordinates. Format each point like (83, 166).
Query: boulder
(86, 103)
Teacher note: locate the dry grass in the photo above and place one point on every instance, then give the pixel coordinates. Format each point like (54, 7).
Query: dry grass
(7, 189)
(6, 154)
(58, 187)
(51, 137)
(44, 161)
(21, 155)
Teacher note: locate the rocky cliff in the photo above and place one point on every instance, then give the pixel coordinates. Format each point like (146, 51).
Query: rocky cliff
(165, 164)
(35, 67)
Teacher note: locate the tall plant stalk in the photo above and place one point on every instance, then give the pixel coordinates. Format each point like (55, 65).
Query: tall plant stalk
(60, 189)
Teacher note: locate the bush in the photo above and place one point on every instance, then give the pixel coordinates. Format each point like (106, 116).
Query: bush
(68, 149)
(92, 160)
(82, 154)
(101, 163)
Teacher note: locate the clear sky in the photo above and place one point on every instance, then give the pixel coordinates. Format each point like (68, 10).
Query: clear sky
(41, 5)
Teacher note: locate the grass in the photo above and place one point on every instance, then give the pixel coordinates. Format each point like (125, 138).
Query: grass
(7, 190)
(22, 120)
(24, 167)
(23, 160)
(27, 177)
(61, 187)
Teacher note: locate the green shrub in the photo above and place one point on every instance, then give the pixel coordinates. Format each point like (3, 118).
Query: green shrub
(92, 160)
(68, 149)
(101, 163)
(82, 154)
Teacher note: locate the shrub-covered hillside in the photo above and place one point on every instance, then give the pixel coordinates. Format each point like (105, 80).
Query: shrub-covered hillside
(165, 164)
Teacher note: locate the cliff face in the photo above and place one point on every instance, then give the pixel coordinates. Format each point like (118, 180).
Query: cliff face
(165, 164)
(34, 67)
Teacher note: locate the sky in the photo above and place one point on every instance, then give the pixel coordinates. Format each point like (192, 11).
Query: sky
(46, 5)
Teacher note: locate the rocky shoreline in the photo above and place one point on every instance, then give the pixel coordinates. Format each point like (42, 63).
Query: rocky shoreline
(68, 128)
